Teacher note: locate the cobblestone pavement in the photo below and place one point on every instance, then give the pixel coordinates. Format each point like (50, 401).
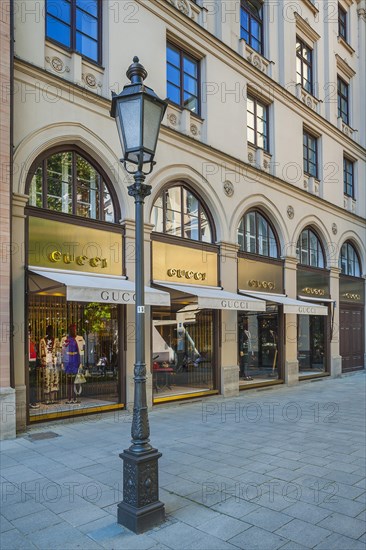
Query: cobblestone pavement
(278, 468)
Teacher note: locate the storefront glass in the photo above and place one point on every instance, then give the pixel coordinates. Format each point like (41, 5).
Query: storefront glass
(258, 346)
(73, 356)
(311, 344)
(183, 350)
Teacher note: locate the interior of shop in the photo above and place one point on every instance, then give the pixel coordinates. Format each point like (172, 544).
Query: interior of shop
(258, 346)
(73, 355)
(183, 355)
(311, 344)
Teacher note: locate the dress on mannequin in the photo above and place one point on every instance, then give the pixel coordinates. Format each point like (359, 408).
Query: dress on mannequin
(72, 352)
(32, 358)
(49, 348)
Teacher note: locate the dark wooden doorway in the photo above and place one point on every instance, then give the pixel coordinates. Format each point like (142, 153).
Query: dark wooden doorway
(352, 340)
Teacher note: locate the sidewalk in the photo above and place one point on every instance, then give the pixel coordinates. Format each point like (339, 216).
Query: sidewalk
(278, 468)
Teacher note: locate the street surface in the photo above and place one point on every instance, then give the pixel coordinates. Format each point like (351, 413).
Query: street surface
(274, 468)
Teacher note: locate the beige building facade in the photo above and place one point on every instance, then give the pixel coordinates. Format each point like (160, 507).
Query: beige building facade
(255, 234)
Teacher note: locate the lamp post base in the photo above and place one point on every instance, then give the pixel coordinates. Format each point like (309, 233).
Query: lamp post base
(140, 509)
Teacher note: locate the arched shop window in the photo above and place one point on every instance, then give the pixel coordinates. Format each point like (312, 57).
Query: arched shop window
(257, 236)
(178, 211)
(349, 261)
(309, 249)
(66, 181)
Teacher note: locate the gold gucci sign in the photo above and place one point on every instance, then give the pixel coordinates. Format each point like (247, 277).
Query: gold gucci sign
(187, 274)
(253, 283)
(351, 296)
(57, 256)
(314, 291)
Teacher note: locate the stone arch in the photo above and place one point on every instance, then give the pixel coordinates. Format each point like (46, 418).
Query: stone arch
(32, 146)
(359, 245)
(185, 174)
(263, 204)
(329, 245)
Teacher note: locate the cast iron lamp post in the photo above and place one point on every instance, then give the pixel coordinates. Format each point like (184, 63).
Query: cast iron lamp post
(138, 112)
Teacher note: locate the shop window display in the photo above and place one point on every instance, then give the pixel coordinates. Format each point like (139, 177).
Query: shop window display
(73, 355)
(258, 346)
(311, 344)
(183, 356)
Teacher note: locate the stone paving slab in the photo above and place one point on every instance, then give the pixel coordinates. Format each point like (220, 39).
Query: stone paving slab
(228, 482)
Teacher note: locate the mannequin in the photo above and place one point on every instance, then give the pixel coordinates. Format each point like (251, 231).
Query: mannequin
(72, 353)
(49, 349)
(246, 350)
(32, 358)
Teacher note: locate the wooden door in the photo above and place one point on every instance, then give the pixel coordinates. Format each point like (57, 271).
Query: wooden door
(351, 338)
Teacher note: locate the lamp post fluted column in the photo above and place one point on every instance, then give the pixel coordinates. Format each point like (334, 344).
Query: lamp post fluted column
(138, 112)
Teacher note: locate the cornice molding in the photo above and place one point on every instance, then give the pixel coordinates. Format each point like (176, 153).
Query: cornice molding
(305, 27)
(343, 66)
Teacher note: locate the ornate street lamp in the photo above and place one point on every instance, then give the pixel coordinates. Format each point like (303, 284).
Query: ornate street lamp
(138, 112)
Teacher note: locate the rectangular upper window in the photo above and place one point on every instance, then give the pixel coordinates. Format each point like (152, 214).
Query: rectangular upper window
(310, 149)
(183, 79)
(348, 177)
(257, 123)
(304, 65)
(76, 26)
(342, 22)
(343, 100)
(251, 24)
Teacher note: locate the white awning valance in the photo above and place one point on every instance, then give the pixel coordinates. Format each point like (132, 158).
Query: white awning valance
(215, 297)
(87, 287)
(290, 305)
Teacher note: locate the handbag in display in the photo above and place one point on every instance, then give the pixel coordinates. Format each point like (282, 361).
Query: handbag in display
(80, 378)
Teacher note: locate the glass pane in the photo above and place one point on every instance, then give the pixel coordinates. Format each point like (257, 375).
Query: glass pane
(190, 203)
(172, 56)
(190, 67)
(86, 24)
(173, 74)
(241, 235)
(152, 119)
(63, 338)
(173, 93)
(90, 6)
(87, 46)
(173, 223)
(190, 102)
(157, 218)
(129, 113)
(250, 120)
(250, 135)
(108, 205)
(59, 9)
(190, 227)
(35, 190)
(272, 244)
(250, 232)
(311, 344)
(87, 189)
(256, 30)
(190, 85)
(59, 189)
(205, 229)
(173, 198)
(183, 352)
(56, 30)
(262, 236)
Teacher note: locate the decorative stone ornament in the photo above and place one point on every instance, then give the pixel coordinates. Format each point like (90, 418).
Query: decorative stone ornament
(90, 80)
(172, 119)
(228, 188)
(334, 229)
(57, 64)
(290, 212)
(183, 6)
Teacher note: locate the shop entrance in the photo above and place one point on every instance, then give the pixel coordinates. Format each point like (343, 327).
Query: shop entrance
(258, 346)
(312, 347)
(351, 321)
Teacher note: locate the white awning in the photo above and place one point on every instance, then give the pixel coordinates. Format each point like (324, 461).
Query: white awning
(216, 298)
(89, 287)
(290, 305)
